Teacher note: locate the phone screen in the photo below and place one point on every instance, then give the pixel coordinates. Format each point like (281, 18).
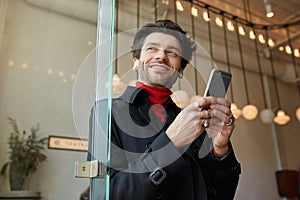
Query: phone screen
(218, 83)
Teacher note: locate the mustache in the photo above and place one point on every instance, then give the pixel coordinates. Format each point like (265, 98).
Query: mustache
(149, 64)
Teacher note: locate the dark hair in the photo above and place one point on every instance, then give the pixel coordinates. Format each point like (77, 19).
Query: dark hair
(167, 27)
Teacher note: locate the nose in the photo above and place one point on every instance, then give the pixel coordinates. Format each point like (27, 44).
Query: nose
(161, 55)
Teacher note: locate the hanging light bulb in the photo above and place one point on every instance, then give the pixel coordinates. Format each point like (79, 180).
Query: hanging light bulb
(133, 83)
(298, 113)
(117, 85)
(271, 43)
(250, 112)
(297, 53)
(241, 30)
(195, 98)
(206, 16)
(235, 110)
(230, 26)
(219, 22)
(261, 38)
(179, 6)
(166, 2)
(281, 118)
(252, 35)
(266, 116)
(288, 49)
(180, 98)
(281, 48)
(194, 11)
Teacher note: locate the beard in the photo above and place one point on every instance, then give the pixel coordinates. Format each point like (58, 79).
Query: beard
(165, 79)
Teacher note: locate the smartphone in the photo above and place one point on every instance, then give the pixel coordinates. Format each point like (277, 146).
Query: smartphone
(218, 83)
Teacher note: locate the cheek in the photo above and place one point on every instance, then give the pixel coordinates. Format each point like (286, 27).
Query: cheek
(176, 64)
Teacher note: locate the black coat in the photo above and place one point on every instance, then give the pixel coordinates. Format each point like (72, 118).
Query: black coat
(140, 146)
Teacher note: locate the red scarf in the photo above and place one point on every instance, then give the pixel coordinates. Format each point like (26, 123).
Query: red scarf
(157, 98)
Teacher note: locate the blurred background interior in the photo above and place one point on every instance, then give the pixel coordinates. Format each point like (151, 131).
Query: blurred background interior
(47, 61)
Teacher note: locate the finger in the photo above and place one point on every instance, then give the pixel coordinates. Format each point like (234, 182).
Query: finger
(219, 114)
(223, 101)
(225, 109)
(223, 131)
(205, 102)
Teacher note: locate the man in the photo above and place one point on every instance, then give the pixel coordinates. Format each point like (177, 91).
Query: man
(156, 147)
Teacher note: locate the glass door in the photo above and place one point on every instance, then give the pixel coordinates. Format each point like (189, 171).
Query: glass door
(100, 117)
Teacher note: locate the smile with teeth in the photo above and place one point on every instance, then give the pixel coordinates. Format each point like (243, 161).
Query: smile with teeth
(159, 67)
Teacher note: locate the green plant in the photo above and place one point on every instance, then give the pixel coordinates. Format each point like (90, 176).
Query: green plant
(26, 150)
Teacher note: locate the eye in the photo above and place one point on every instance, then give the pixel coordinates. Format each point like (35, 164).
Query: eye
(151, 49)
(172, 53)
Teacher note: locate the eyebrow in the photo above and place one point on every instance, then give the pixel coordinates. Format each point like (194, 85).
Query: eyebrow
(158, 44)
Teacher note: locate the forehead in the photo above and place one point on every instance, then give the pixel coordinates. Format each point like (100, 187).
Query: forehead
(163, 40)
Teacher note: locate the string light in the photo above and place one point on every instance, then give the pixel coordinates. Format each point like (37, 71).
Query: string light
(241, 30)
(297, 53)
(194, 11)
(261, 38)
(281, 48)
(252, 35)
(206, 16)
(219, 22)
(166, 2)
(230, 26)
(179, 6)
(288, 49)
(298, 114)
(271, 43)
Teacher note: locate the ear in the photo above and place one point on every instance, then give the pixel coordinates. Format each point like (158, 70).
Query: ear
(135, 63)
(181, 70)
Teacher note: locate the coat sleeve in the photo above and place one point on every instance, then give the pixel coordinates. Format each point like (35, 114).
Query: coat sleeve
(221, 175)
(130, 178)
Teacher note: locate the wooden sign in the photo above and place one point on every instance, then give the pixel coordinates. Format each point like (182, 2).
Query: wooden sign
(67, 143)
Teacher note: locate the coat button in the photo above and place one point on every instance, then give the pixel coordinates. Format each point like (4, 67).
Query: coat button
(211, 191)
(195, 149)
(159, 196)
(148, 145)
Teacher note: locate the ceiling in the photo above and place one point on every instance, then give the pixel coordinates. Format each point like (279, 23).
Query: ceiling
(286, 12)
(252, 11)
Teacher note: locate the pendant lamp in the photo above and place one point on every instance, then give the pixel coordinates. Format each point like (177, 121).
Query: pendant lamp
(234, 108)
(197, 96)
(297, 112)
(280, 118)
(210, 40)
(180, 97)
(266, 115)
(249, 111)
(118, 86)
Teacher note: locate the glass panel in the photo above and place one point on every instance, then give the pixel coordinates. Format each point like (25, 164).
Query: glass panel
(100, 121)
